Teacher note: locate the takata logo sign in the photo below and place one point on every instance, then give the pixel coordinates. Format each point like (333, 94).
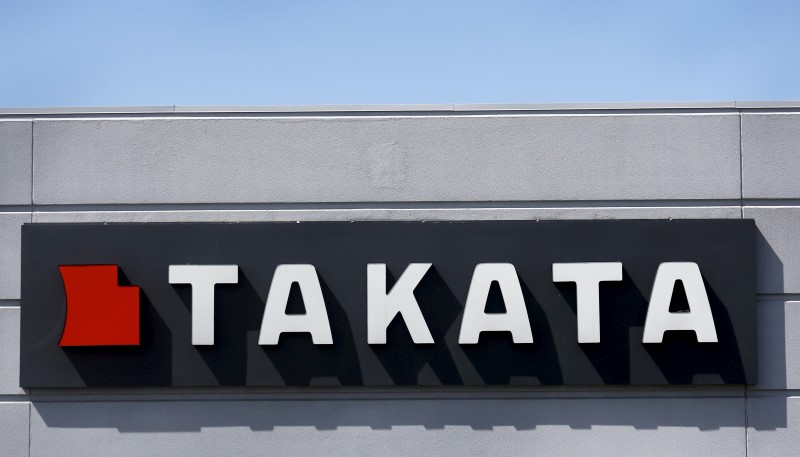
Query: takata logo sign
(389, 303)
(102, 313)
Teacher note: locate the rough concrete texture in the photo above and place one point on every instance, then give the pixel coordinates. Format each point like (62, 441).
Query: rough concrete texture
(10, 239)
(773, 420)
(770, 155)
(9, 351)
(15, 156)
(14, 428)
(778, 344)
(777, 248)
(642, 426)
(387, 158)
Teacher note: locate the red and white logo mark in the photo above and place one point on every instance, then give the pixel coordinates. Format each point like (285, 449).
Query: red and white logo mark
(100, 312)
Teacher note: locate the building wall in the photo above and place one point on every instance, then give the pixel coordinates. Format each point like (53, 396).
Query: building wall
(410, 163)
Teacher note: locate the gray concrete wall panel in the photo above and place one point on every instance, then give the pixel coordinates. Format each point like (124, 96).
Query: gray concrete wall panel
(642, 426)
(372, 159)
(770, 155)
(778, 344)
(14, 428)
(9, 351)
(777, 248)
(10, 239)
(15, 156)
(773, 421)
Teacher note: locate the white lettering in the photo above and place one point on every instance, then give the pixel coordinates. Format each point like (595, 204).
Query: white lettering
(587, 278)
(276, 321)
(514, 320)
(382, 307)
(699, 317)
(203, 278)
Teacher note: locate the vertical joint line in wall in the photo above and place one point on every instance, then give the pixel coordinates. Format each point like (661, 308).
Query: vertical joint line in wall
(746, 423)
(741, 170)
(33, 124)
(30, 413)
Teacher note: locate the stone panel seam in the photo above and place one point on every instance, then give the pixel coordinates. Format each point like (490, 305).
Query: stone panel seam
(32, 123)
(30, 413)
(773, 392)
(746, 424)
(778, 297)
(33, 155)
(777, 203)
(14, 398)
(741, 212)
(389, 205)
(209, 394)
(15, 209)
(393, 206)
(741, 169)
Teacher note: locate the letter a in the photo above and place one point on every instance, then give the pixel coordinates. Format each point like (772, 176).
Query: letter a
(514, 320)
(699, 317)
(276, 321)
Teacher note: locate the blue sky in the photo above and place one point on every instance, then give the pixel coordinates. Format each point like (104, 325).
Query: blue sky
(95, 53)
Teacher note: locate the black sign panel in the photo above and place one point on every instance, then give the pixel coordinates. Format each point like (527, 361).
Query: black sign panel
(340, 252)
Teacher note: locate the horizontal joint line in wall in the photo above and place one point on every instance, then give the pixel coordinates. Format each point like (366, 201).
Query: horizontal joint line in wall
(16, 208)
(211, 395)
(382, 205)
(779, 297)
